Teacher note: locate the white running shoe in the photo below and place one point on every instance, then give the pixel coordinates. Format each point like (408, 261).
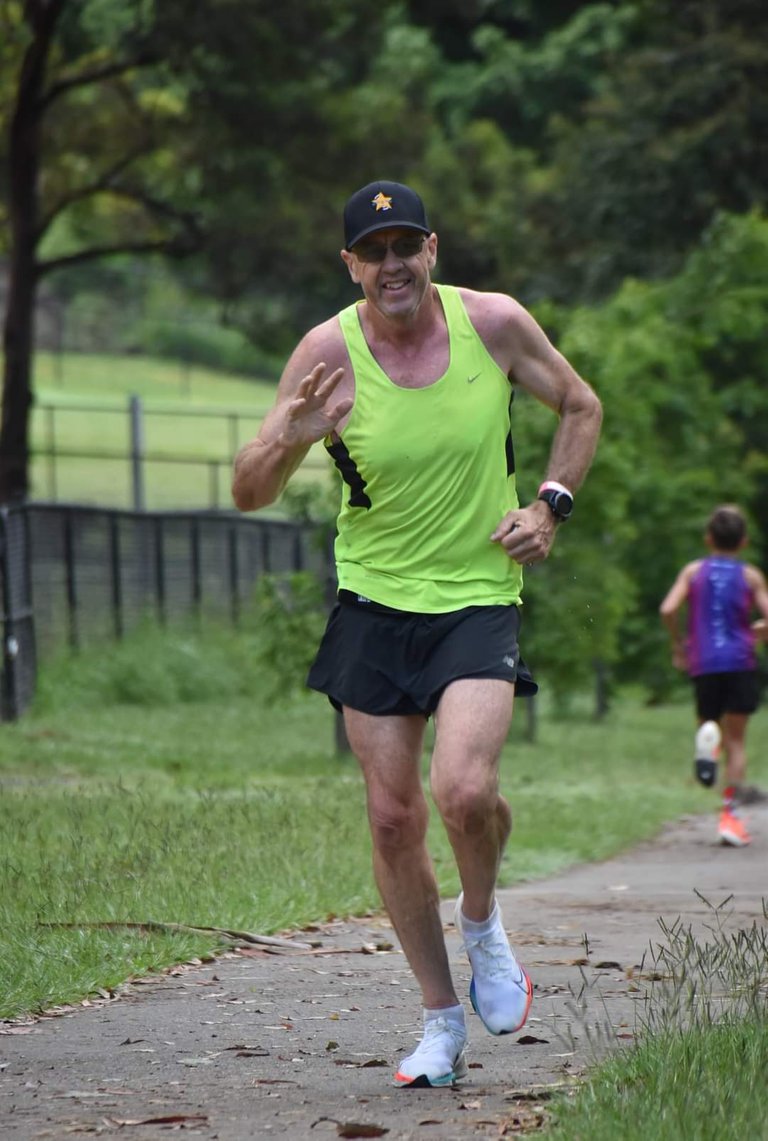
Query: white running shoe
(707, 748)
(439, 1058)
(500, 990)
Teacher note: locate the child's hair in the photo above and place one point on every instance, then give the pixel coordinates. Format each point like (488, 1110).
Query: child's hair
(727, 527)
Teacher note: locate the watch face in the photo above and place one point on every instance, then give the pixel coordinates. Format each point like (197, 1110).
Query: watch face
(561, 504)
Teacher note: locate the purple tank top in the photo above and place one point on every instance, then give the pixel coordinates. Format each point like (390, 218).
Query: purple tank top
(719, 608)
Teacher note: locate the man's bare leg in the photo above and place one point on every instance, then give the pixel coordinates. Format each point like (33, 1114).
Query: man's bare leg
(472, 723)
(389, 751)
(473, 719)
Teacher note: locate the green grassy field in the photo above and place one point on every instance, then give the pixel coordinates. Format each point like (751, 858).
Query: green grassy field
(195, 420)
(152, 782)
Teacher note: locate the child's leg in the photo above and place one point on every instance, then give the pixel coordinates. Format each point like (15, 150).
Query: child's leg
(709, 706)
(732, 828)
(734, 726)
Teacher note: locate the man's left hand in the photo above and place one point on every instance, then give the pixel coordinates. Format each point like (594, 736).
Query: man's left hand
(528, 533)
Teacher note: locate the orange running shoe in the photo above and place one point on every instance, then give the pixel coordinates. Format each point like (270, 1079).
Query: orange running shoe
(732, 830)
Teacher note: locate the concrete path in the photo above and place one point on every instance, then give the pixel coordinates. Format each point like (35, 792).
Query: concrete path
(302, 1044)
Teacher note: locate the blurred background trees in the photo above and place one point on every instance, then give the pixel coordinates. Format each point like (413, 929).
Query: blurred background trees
(607, 163)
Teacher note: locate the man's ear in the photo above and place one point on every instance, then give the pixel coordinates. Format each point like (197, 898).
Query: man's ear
(431, 247)
(349, 262)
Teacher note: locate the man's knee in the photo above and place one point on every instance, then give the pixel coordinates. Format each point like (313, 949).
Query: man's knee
(467, 805)
(396, 826)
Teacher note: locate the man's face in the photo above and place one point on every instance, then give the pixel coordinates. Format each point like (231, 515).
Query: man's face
(393, 267)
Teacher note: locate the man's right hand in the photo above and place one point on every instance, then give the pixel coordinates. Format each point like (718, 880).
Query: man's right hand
(311, 415)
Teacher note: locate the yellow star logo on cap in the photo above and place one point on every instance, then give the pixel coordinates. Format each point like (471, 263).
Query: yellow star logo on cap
(381, 202)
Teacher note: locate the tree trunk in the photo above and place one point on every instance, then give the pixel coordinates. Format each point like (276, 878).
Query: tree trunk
(18, 328)
(18, 334)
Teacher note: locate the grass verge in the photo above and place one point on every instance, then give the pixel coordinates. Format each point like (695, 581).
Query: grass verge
(698, 1070)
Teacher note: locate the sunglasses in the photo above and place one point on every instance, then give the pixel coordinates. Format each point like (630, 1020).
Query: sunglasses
(406, 246)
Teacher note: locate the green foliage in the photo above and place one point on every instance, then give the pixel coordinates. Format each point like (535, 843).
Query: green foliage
(566, 152)
(670, 137)
(672, 448)
(290, 616)
(212, 346)
(153, 667)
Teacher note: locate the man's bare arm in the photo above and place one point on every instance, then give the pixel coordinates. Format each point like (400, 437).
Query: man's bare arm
(523, 349)
(306, 410)
(539, 368)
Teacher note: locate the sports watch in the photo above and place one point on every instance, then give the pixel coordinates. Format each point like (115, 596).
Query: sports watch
(558, 498)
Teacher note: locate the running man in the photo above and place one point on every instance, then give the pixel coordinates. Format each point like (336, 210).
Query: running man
(411, 390)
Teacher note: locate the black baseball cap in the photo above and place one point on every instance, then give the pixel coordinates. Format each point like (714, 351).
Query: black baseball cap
(380, 205)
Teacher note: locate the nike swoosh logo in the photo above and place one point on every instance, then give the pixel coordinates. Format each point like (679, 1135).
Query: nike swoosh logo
(472, 379)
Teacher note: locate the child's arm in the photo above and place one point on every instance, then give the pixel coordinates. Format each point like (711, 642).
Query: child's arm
(759, 587)
(670, 613)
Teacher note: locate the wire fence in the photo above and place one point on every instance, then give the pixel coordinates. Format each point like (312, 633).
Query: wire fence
(142, 456)
(70, 575)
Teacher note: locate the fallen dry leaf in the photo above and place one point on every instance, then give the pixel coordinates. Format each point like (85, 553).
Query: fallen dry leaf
(167, 1119)
(360, 1129)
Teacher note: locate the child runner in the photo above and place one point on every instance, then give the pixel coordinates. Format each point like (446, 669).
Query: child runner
(721, 593)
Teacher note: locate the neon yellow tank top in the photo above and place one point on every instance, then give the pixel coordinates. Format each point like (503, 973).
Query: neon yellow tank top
(428, 474)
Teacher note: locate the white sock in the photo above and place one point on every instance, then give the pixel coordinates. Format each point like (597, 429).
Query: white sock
(452, 1014)
(484, 927)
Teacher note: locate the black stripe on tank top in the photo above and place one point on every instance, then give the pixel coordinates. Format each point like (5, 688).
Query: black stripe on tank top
(508, 445)
(349, 473)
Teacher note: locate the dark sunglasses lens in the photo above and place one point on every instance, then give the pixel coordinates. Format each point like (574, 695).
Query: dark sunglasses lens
(372, 253)
(405, 247)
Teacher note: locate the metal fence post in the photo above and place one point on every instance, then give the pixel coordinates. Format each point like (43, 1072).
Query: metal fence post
(8, 702)
(18, 659)
(70, 571)
(51, 434)
(137, 452)
(195, 568)
(116, 574)
(234, 575)
(160, 568)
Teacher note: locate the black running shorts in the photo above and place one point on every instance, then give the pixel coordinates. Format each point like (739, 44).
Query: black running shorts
(735, 692)
(394, 662)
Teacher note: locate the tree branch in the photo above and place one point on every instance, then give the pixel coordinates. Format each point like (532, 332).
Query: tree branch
(176, 246)
(108, 71)
(99, 185)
